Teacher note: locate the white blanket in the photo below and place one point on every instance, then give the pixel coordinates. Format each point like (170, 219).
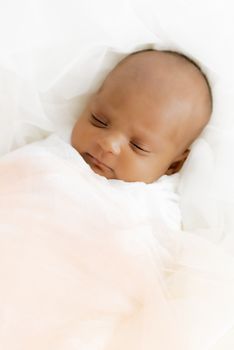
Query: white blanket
(94, 264)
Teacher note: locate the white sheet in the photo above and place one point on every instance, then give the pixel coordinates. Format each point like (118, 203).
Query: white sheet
(95, 264)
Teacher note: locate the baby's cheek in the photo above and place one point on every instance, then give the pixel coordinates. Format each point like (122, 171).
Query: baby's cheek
(154, 169)
(80, 134)
(77, 137)
(134, 169)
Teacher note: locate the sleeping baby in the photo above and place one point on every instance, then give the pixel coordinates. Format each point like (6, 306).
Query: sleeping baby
(89, 261)
(141, 122)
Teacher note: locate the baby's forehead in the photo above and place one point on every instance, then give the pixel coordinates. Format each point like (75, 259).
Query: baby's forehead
(157, 69)
(136, 110)
(146, 96)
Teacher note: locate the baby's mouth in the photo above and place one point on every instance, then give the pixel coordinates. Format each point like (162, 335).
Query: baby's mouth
(96, 164)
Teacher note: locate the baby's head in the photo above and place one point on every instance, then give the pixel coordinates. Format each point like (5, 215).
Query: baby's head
(148, 111)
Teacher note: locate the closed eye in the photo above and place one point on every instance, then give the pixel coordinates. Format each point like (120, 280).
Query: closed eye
(135, 145)
(98, 121)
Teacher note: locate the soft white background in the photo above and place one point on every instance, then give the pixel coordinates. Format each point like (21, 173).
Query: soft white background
(54, 54)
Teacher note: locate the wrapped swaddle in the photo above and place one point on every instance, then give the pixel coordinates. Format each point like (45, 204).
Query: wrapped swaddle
(92, 263)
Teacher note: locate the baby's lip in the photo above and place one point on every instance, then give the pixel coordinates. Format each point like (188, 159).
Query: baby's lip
(97, 162)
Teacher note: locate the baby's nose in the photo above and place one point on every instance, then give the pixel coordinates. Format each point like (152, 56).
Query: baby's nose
(113, 143)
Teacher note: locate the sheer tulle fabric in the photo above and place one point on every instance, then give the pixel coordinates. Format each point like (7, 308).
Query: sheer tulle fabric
(95, 264)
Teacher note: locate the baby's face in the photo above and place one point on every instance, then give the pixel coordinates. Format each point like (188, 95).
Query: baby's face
(125, 134)
(139, 124)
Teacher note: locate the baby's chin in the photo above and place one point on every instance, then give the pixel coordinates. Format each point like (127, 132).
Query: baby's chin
(100, 172)
(112, 176)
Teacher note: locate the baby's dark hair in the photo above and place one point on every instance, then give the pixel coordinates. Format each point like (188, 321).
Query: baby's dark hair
(188, 59)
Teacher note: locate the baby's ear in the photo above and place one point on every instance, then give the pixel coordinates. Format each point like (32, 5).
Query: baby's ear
(178, 163)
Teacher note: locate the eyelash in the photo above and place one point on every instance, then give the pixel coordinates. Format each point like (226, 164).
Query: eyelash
(99, 121)
(138, 147)
(104, 125)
